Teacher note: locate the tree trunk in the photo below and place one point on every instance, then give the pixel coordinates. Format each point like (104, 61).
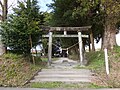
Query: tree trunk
(4, 6)
(109, 39)
(92, 40)
(30, 38)
(5, 9)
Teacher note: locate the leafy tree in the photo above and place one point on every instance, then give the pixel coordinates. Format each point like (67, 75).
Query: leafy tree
(48, 18)
(103, 15)
(64, 13)
(111, 9)
(22, 29)
(73, 14)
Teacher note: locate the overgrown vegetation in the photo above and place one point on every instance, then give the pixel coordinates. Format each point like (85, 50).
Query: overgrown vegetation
(95, 60)
(15, 70)
(62, 85)
(113, 79)
(97, 65)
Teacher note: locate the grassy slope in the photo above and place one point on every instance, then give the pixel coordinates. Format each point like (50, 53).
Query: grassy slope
(96, 63)
(95, 60)
(15, 70)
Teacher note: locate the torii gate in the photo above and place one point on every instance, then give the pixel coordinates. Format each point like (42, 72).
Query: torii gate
(65, 29)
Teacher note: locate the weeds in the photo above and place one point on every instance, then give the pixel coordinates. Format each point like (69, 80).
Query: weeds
(61, 85)
(96, 63)
(13, 70)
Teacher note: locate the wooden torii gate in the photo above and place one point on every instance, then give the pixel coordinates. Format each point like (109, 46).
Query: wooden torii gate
(65, 29)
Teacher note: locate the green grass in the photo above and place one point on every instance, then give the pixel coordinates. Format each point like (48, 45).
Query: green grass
(117, 49)
(11, 56)
(13, 70)
(95, 61)
(63, 85)
(95, 86)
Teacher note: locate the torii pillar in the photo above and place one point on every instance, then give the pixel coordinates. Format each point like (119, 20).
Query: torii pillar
(80, 47)
(50, 49)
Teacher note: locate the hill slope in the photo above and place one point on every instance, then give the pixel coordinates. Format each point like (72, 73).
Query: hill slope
(15, 70)
(96, 63)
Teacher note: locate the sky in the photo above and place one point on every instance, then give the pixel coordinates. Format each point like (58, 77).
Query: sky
(41, 3)
(43, 6)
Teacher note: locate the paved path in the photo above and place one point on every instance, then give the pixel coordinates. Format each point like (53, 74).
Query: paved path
(63, 63)
(62, 71)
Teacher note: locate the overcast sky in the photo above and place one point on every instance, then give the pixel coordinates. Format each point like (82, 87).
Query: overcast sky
(41, 3)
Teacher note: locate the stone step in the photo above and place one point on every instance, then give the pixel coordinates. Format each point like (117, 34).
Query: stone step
(73, 70)
(63, 73)
(59, 71)
(62, 76)
(61, 80)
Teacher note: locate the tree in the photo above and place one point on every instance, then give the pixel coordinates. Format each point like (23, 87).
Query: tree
(3, 17)
(72, 14)
(22, 30)
(48, 18)
(65, 13)
(111, 9)
(103, 15)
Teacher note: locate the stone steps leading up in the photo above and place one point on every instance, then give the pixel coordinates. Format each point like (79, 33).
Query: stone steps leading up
(62, 71)
(60, 75)
(73, 80)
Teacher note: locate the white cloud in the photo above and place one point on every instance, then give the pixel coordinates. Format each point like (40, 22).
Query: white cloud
(43, 4)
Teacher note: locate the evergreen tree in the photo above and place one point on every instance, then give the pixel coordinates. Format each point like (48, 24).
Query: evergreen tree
(22, 29)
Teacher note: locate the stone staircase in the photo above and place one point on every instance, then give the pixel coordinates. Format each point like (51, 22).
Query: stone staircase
(63, 75)
(63, 70)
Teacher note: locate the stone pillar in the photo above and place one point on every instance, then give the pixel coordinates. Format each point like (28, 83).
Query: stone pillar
(50, 49)
(80, 48)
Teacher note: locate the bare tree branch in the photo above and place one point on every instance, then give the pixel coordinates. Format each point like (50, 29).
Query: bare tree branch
(1, 4)
(11, 4)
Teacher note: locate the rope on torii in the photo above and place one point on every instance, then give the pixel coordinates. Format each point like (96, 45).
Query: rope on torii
(73, 45)
(68, 47)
